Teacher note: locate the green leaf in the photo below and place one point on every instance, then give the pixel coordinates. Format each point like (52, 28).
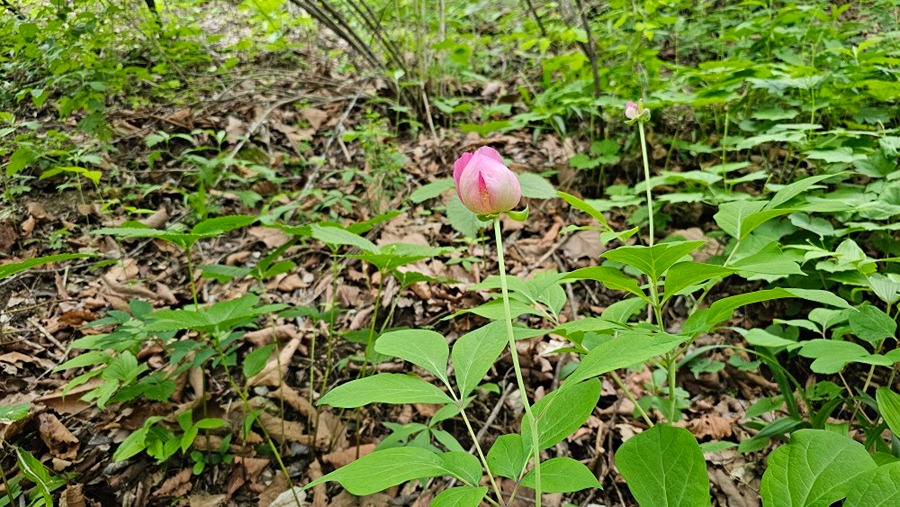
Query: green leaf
(336, 236)
(463, 466)
(561, 412)
(256, 360)
(223, 274)
(518, 216)
(462, 219)
(562, 475)
(132, 445)
(14, 412)
(462, 496)
(425, 349)
(431, 190)
(626, 350)
(220, 225)
(384, 388)
(610, 277)
(9, 269)
(507, 456)
(877, 488)
(221, 316)
(872, 325)
(816, 469)
(731, 215)
(19, 160)
(665, 466)
(686, 274)
(475, 352)
(94, 176)
(889, 408)
(788, 192)
(535, 187)
(702, 321)
(34, 471)
(583, 206)
(832, 355)
(762, 338)
(653, 261)
(91, 358)
(382, 469)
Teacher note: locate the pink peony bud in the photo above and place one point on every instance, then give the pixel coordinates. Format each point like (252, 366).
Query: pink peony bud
(632, 110)
(484, 184)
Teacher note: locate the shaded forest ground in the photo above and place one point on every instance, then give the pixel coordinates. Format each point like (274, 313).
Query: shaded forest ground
(302, 138)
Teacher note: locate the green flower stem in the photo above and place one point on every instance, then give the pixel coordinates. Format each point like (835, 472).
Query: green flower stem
(671, 363)
(462, 412)
(647, 178)
(631, 397)
(523, 393)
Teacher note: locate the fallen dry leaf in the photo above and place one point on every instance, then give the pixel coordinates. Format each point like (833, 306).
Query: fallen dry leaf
(177, 485)
(204, 500)
(315, 117)
(263, 337)
(345, 457)
(711, 425)
(278, 363)
(8, 235)
(272, 238)
(245, 471)
(294, 497)
(73, 496)
(61, 442)
(157, 220)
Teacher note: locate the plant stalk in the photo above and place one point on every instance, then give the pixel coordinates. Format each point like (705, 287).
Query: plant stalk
(647, 179)
(523, 393)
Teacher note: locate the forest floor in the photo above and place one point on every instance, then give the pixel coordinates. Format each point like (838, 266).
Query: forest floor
(286, 117)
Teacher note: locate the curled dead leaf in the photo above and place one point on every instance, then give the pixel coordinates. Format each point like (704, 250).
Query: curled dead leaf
(58, 439)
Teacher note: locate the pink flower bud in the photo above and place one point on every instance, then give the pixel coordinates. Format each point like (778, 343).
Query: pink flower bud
(632, 110)
(484, 184)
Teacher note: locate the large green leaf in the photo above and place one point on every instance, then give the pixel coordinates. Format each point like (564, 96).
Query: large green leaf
(507, 456)
(221, 225)
(463, 466)
(583, 206)
(872, 325)
(664, 466)
(830, 356)
(816, 469)
(877, 488)
(205, 229)
(475, 352)
(626, 350)
(889, 408)
(562, 475)
(462, 496)
(535, 186)
(731, 215)
(221, 316)
(384, 388)
(561, 412)
(425, 349)
(9, 269)
(336, 236)
(653, 261)
(685, 274)
(382, 469)
(720, 311)
(788, 192)
(610, 277)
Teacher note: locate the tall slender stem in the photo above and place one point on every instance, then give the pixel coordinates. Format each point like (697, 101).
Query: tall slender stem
(647, 178)
(523, 393)
(487, 468)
